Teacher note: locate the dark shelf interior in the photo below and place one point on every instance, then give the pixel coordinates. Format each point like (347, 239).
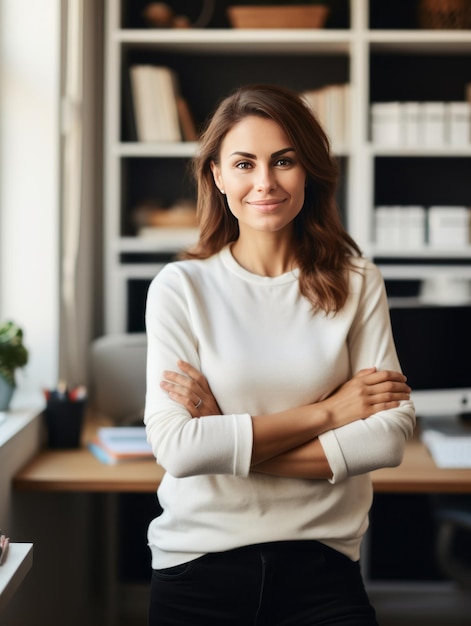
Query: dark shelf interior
(132, 13)
(418, 77)
(425, 181)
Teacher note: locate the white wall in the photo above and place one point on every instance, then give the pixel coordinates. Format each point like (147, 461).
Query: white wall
(29, 181)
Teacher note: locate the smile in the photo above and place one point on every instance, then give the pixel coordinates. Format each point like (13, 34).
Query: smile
(266, 206)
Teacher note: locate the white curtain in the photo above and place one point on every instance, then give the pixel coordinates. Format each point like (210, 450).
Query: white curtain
(81, 186)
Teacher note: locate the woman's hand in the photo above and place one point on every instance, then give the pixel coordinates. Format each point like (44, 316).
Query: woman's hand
(191, 390)
(280, 452)
(368, 392)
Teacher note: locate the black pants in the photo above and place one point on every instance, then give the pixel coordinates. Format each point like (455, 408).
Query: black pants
(295, 583)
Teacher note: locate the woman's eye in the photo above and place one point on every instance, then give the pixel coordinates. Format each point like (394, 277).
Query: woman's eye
(283, 162)
(243, 165)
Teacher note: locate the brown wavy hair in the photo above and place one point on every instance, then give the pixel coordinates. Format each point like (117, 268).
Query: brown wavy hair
(324, 249)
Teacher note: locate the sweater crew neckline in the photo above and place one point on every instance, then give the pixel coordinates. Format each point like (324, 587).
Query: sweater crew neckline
(232, 265)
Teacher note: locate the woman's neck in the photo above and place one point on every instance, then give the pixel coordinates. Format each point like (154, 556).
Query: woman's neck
(265, 256)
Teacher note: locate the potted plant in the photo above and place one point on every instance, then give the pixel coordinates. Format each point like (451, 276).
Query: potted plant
(13, 355)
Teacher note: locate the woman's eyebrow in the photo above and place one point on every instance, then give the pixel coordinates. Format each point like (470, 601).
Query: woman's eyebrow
(280, 152)
(248, 155)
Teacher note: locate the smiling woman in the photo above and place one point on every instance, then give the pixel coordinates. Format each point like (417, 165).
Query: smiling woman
(280, 387)
(264, 186)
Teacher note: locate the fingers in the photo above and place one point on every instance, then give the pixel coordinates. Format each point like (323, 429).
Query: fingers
(180, 380)
(382, 382)
(368, 392)
(386, 389)
(194, 374)
(365, 372)
(372, 376)
(190, 389)
(191, 403)
(184, 390)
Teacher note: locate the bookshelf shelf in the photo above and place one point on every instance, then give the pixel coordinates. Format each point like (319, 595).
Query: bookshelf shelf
(425, 253)
(422, 272)
(163, 149)
(423, 42)
(179, 149)
(430, 152)
(373, 45)
(233, 40)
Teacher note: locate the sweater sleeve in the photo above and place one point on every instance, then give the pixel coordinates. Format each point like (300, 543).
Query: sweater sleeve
(185, 446)
(379, 440)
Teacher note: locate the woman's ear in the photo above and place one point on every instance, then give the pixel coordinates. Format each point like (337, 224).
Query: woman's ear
(217, 176)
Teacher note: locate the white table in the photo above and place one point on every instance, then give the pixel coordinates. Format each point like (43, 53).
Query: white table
(17, 564)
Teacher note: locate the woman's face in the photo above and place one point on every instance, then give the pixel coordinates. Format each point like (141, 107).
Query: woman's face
(260, 173)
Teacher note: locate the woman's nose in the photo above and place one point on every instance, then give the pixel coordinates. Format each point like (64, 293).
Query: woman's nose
(266, 180)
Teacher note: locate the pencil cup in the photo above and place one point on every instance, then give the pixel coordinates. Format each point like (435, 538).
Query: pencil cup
(64, 420)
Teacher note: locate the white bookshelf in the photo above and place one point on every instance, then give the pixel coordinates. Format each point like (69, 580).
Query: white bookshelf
(349, 50)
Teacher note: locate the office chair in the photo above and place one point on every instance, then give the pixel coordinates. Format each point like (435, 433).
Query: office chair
(118, 380)
(453, 542)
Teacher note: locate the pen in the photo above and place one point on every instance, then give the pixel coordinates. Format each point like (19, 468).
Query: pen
(79, 393)
(63, 393)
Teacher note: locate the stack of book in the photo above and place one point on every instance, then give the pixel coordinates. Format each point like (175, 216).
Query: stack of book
(400, 227)
(160, 112)
(118, 444)
(412, 227)
(448, 440)
(449, 226)
(416, 124)
(331, 106)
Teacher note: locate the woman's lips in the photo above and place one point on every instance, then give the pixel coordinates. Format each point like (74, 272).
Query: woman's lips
(266, 206)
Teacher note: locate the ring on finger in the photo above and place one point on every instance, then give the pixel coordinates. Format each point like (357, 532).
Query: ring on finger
(199, 403)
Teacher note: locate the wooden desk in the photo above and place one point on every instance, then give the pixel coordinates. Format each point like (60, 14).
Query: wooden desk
(419, 474)
(79, 470)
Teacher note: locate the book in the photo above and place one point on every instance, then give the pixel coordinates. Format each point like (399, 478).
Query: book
(388, 227)
(411, 116)
(458, 123)
(187, 124)
(336, 111)
(448, 440)
(387, 126)
(103, 455)
(315, 99)
(400, 227)
(449, 226)
(413, 124)
(330, 104)
(432, 123)
(154, 93)
(121, 443)
(414, 226)
(129, 117)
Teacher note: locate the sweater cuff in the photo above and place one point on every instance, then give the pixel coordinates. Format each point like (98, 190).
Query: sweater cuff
(334, 456)
(243, 429)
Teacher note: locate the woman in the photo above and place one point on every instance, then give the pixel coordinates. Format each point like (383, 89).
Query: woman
(275, 333)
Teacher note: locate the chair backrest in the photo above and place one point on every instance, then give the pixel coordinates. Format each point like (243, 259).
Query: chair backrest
(118, 380)
(453, 539)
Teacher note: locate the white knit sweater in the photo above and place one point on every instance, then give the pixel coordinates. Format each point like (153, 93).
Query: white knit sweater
(262, 350)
